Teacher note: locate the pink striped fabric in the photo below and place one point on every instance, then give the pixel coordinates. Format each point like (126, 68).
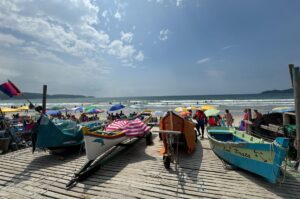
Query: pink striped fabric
(117, 125)
(136, 128)
(130, 128)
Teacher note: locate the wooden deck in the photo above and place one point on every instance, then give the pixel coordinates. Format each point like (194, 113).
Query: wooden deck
(136, 172)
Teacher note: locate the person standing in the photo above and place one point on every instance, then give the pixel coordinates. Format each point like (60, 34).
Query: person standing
(228, 117)
(201, 120)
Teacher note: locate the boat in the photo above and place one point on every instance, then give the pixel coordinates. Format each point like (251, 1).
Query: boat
(101, 143)
(248, 152)
(59, 134)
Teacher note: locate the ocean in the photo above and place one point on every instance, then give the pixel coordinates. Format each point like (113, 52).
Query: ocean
(235, 103)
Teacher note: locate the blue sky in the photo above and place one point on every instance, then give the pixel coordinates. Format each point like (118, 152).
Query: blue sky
(149, 47)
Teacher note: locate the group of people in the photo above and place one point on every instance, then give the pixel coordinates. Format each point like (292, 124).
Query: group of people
(218, 120)
(112, 116)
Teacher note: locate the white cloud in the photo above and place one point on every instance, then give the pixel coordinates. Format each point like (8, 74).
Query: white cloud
(204, 60)
(126, 37)
(179, 2)
(226, 47)
(8, 40)
(120, 50)
(104, 13)
(118, 15)
(164, 34)
(140, 56)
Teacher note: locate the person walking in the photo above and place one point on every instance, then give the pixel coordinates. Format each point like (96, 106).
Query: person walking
(228, 117)
(201, 121)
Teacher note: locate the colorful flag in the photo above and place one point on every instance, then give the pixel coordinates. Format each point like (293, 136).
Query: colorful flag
(10, 89)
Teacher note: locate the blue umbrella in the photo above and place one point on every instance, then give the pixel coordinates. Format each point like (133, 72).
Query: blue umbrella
(116, 107)
(94, 111)
(53, 112)
(80, 109)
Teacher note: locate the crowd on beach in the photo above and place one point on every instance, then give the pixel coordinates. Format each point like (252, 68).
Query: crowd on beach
(221, 120)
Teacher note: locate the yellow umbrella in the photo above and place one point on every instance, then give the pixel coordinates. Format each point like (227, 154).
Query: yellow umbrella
(8, 110)
(192, 108)
(23, 108)
(180, 109)
(148, 110)
(207, 107)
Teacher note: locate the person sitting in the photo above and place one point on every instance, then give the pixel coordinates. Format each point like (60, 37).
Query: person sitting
(212, 121)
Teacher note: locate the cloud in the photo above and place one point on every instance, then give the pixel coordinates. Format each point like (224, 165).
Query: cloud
(164, 34)
(126, 37)
(179, 2)
(64, 36)
(140, 56)
(204, 60)
(226, 47)
(8, 40)
(118, 15)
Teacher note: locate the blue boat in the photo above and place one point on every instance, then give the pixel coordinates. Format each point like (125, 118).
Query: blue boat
(59, 134)
(247, 152)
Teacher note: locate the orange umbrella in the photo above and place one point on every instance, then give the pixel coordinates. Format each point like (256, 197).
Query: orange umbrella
(184, 113)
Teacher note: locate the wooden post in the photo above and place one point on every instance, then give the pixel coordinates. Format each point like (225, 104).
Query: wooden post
(248, 125)
(44, 98)
(171, 121)
(296, 86)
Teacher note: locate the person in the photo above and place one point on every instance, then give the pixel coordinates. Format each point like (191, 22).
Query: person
(219, 120)
(121, 113)
(228, 118)
(201, 120)
(212, 121)
(257, 115)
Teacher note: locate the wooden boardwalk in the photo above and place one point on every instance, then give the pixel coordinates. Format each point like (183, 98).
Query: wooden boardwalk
(135, 172)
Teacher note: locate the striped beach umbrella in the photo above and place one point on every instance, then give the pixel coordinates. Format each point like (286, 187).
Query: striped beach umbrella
(117, 125)
(136, 128)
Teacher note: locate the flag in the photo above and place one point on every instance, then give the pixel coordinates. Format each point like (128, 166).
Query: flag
(10, 89)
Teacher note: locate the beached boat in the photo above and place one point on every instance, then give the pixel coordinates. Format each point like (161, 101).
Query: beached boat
(100, 144)
(247, 152)
(59, 134)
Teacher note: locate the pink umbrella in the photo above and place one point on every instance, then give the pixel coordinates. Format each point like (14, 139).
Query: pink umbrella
(130, 128)
(136, 128)
(117, 125)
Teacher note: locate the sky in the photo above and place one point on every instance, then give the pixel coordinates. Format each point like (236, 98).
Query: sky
(114, 48)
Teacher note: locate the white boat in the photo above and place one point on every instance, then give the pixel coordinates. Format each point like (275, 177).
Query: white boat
(98, 142)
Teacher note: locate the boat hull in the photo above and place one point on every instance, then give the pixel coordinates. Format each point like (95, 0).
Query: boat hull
(96, 143)
(256, 155)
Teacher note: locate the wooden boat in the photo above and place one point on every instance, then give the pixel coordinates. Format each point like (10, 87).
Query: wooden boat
(100, 144)
(97, 142)
(247, 152)
(59, 134)
(171, 126)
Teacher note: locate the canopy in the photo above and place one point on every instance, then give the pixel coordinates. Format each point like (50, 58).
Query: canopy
(212, 112)
(180, 109)
(207, 107)
(116, 107)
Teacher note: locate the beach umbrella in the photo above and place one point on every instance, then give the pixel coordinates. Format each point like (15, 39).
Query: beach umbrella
(8, 110)
(57, 108)
(135, 128)
(94, 111)
(211, 112)
(116, 107)
(283, 109)
(116, 125)
(184, 113)
(207, 107)
(159, 113)
(180, 109)
(23, 108)
(78, 109)
(53, 112)
(147, 110)
(192, 108)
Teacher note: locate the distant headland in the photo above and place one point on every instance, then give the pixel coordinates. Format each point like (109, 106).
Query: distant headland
(286, 91)
(40, 96)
